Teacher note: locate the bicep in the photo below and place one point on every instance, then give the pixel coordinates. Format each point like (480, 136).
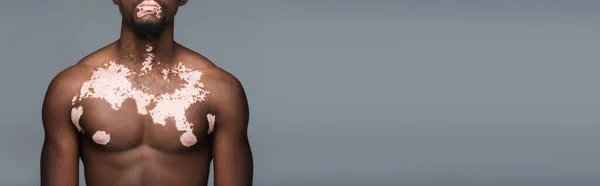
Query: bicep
(59, 163)
(232, 154)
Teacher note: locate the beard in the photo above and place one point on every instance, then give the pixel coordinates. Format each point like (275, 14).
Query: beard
(148, 29)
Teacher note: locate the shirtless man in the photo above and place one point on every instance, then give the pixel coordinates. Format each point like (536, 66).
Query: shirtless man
(145, 110)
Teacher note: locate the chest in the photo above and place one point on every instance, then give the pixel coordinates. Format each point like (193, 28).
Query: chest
(121, 108)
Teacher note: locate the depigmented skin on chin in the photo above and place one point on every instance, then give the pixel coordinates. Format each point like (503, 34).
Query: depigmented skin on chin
(149, 8)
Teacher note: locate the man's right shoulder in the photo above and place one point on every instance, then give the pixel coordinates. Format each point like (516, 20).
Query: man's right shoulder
(69, 80)
(77, 73)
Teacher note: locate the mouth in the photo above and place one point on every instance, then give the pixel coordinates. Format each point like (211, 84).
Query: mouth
(149, 8)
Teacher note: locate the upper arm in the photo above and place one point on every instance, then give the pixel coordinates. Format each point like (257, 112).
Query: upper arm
(59, 163)
(232, 155)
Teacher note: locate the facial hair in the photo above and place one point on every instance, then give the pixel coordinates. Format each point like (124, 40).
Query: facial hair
(148, 29)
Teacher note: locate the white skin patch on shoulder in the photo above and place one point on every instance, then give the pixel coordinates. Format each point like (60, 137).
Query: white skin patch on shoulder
(111, 84)
(211, 122)
(101, 137)
(76, 115)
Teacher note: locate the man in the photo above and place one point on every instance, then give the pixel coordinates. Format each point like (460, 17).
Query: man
(145, 110)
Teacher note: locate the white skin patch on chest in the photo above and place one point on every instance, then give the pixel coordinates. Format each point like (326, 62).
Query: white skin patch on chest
(147, 64)
(111, 84)
(165, 74)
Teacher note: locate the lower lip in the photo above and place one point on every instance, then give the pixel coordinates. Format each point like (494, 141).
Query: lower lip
(147, 6)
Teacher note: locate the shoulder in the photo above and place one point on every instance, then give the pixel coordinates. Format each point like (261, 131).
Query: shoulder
(212, 75)
(69, 81)
(224, 87)
(221, 79)
(76, 74)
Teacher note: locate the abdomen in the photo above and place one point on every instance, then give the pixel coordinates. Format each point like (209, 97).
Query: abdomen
(146, 166)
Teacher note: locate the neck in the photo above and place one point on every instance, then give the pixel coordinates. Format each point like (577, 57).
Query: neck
(132, 47)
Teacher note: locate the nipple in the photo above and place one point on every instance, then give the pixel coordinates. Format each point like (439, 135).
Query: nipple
(101, 137)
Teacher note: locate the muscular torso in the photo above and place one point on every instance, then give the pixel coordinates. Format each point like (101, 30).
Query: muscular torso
(144, 124)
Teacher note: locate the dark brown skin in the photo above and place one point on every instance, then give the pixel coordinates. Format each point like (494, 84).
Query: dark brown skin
(141, 152)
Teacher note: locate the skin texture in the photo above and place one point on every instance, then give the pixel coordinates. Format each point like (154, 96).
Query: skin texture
(111, 84)
(145, 111)
(148, 8)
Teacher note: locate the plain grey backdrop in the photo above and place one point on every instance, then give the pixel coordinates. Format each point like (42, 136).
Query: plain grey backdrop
(351, 92)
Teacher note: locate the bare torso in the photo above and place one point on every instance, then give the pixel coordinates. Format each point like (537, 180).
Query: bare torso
(145, 123)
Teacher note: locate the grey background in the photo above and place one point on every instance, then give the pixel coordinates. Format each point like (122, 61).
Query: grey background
(349, 92)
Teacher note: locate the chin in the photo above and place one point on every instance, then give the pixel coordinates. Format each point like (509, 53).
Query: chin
(147, 21)
(148, 28)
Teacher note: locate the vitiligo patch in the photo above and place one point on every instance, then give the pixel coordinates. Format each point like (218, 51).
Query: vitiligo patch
(149, 7)
(211, 122)
(111, 84)
(76, 115)
(147, 64)
(101, 137)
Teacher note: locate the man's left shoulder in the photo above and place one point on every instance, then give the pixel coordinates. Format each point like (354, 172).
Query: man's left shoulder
(215, 79)
(220, 80)
(226, 93)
